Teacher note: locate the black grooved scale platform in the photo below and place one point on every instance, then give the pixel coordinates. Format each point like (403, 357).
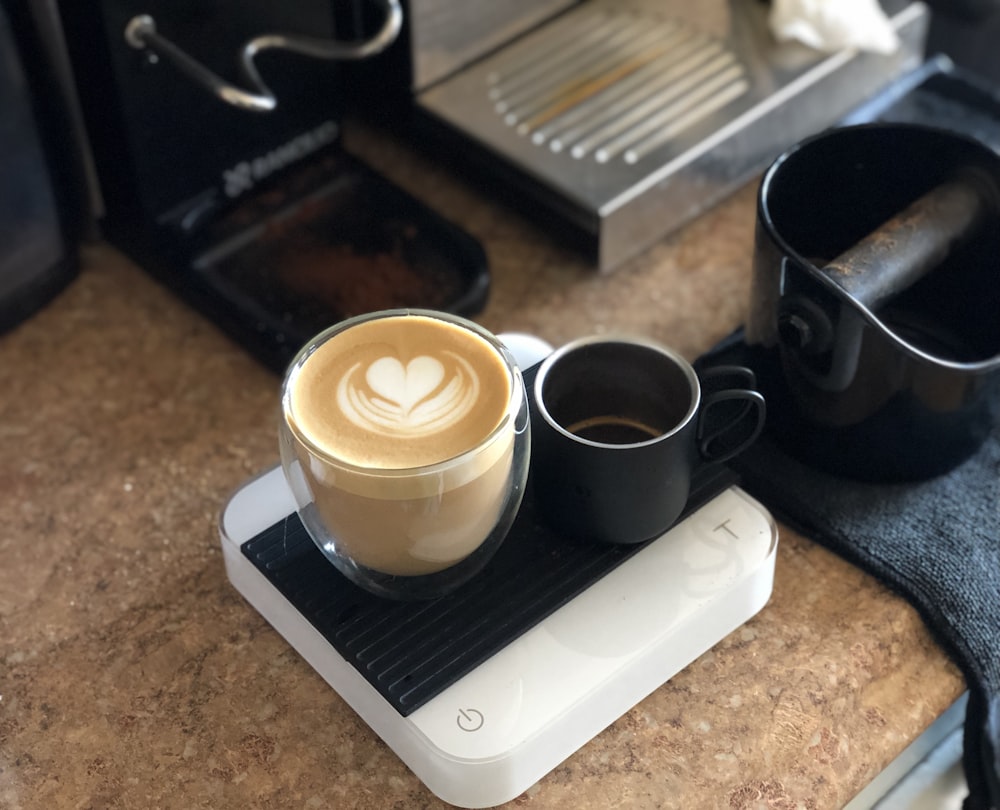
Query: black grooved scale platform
(412, 651)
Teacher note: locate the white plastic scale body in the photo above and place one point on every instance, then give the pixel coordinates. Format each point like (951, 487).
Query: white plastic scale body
(504, 725)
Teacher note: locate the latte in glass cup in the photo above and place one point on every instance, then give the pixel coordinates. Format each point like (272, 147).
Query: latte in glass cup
(405, 442)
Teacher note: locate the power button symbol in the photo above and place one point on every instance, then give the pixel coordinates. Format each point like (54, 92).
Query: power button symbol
(470, 719)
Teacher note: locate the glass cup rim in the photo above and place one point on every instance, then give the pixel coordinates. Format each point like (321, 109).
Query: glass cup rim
(510, 413)
(678, 361)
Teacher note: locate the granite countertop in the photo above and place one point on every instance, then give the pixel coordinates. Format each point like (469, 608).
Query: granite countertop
(132, 674)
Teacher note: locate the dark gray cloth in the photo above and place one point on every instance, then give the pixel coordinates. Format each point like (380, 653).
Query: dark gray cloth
(935, 542)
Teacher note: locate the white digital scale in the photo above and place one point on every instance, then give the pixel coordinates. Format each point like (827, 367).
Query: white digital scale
(497, 727)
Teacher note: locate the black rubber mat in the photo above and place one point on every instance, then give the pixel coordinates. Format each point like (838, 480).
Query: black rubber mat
(412, 651)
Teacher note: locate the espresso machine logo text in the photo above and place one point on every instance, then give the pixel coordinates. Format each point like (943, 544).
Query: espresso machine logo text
(242, 177)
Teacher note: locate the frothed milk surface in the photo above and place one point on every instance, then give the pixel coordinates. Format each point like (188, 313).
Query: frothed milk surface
(400, 392)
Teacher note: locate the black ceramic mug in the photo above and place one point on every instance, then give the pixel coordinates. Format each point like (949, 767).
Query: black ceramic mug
(619, 426)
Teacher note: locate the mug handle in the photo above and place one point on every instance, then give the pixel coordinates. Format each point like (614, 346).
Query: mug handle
(724, 432)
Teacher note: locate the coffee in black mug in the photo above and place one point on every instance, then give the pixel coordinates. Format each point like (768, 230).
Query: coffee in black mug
(619, 426)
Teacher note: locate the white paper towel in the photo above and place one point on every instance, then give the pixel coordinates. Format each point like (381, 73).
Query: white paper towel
(832, 25)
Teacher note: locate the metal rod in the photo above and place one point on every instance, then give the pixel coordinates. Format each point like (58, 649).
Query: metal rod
(141, 34)
(915, 241)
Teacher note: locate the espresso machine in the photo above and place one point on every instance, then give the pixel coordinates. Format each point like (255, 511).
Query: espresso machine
(619, 120)
(215, 131)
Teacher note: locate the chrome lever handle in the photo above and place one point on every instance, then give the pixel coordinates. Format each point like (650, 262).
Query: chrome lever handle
(141, 34)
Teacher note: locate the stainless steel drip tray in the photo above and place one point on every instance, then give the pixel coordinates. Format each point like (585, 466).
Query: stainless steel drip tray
(627, 122)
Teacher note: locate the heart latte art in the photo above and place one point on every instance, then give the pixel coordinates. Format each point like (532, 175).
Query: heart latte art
(424, 396)
(398, 393)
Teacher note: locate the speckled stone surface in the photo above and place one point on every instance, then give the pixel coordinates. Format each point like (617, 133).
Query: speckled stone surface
(132, 675)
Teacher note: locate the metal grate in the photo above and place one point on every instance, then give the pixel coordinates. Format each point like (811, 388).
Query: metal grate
(614, 85)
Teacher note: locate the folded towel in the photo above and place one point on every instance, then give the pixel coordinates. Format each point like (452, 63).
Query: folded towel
(935, 542)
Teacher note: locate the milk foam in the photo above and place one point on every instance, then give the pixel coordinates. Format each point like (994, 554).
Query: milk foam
(425, 396)
(399, 393)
